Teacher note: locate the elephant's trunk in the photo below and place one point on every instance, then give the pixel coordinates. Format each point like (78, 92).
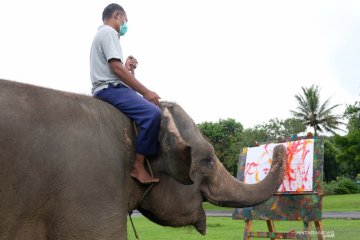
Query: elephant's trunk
(225, 190)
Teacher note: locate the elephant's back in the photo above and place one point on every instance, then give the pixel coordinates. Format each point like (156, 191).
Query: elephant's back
(32, 105)
(40, 117)
(42, 122)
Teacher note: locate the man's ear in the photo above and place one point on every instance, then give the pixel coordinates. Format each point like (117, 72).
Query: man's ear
(176, 153)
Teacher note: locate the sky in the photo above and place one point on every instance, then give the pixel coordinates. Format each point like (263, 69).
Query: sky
(244, 60)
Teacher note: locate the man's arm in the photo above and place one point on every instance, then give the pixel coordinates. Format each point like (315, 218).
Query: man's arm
(132, 82)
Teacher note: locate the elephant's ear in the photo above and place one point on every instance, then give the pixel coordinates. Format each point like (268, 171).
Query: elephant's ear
(176, 153)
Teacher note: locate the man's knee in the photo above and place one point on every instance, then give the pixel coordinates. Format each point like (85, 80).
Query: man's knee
(156, 115)
(151, 120)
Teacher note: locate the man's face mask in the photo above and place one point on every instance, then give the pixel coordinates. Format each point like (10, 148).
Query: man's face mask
(123, 29)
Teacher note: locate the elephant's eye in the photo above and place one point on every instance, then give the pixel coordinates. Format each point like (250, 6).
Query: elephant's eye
(208, 162)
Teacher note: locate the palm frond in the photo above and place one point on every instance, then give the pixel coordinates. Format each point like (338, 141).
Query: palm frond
(312, 113)
(329, 110)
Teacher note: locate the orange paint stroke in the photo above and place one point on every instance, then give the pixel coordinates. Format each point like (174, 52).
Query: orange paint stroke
(274, 206)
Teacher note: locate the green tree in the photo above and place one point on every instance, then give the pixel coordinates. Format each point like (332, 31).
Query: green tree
(276, 128)
(330, 165)
(348, 156)
(251, 135)
(225, 137)
(314, 114)
(352, 113)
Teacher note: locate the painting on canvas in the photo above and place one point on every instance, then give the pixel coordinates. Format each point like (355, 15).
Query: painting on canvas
(299, 174)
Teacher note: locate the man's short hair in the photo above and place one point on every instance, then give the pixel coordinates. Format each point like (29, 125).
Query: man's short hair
(110, 9)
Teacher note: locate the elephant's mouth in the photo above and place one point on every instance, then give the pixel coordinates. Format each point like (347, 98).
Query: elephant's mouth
(199, 223)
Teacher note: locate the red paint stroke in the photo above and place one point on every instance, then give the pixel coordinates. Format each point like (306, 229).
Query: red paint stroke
(305, 178)
(296, 148)
(251, 168)
(292, 150)
(266, 152)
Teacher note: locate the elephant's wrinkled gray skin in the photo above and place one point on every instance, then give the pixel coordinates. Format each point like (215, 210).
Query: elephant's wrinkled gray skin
(65, 169)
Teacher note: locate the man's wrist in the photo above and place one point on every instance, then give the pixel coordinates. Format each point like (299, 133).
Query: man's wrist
(143, 91)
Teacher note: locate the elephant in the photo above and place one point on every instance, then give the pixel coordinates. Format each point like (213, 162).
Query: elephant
(65, 169)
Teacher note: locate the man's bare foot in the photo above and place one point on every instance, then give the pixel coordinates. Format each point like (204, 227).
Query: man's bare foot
(142, 176)
(139, 172)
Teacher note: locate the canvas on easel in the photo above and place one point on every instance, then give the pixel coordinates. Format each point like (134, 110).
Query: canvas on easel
(299, 197)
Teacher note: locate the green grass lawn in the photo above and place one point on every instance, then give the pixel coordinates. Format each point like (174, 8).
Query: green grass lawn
(226, 228)
(336, 203)
(342, 203)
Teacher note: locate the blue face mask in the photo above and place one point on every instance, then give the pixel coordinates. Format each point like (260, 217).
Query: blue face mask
(123, 29)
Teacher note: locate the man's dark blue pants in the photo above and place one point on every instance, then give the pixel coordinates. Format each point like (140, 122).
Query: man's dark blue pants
(146, 115)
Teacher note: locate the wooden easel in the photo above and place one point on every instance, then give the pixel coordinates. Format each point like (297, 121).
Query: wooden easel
(305, 206)
(272, 234)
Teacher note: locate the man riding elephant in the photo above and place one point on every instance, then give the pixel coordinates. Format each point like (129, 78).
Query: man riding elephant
(67, 160)
(114, 83)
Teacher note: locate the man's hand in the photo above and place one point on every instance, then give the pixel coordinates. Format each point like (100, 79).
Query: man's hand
(129, 79)
(131, 63)
(152, 97)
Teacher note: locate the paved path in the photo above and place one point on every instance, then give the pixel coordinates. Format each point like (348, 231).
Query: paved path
(326, 215)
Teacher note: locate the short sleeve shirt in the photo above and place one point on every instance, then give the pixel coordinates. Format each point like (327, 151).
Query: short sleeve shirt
(105, 46)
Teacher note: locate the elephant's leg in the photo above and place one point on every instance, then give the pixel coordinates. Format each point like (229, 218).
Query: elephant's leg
(81, 228)
(104, 225)
(30, 229)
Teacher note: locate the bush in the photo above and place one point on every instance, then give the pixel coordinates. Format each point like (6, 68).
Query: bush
(342, 185)
(329, 188)
(346, 186)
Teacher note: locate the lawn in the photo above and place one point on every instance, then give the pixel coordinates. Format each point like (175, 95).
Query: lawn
(336, 203)
(343, 203)
(226, 228)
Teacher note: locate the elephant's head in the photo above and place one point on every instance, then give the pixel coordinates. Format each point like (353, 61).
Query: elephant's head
(190, 174)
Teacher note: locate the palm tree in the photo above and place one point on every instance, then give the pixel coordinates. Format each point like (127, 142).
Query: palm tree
(315, 115)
